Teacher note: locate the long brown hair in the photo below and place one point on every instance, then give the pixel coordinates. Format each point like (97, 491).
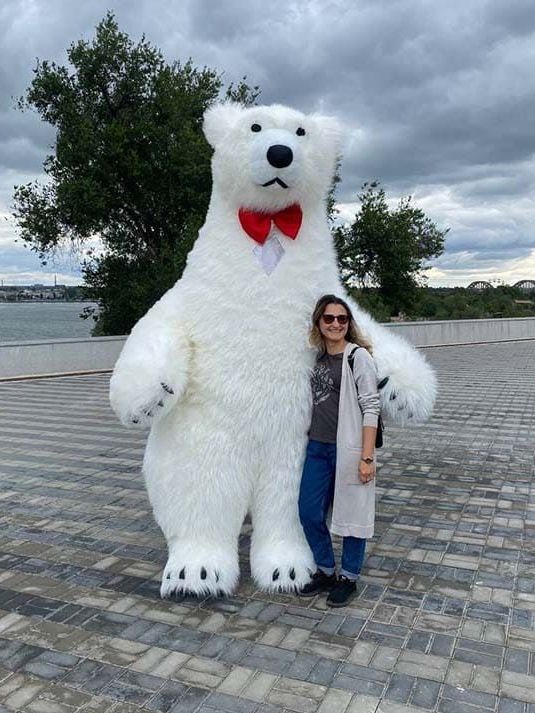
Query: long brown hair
(353, 335)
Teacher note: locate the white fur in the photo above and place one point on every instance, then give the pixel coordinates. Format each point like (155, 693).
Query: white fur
(232, 343)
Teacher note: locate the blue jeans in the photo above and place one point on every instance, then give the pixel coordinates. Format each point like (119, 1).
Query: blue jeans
(315, 497)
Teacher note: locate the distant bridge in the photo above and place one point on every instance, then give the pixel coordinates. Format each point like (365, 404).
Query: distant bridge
(484, 285)
(479, 285)
(525, 284)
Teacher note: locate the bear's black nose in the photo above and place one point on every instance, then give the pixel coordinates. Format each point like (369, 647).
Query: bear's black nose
(280, 156)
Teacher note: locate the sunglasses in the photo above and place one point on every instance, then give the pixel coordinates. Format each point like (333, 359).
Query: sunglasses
(329, 318)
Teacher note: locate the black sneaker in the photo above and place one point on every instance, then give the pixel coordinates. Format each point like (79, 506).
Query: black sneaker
(342, 592)
(320, 582)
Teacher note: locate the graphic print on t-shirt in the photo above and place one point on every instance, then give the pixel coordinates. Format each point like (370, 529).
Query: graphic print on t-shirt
(322, 383)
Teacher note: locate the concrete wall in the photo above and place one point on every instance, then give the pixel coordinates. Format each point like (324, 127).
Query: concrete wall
(58, 356)
(70, 356)
(465, 331)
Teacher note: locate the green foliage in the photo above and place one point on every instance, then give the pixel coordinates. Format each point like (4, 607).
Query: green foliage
(131, 167)
(454, 303)
(387, 248)
(75, 293)
(332, 211)
(461, 303)
(371, 300)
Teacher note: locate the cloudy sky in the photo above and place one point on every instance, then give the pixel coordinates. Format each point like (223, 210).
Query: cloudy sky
(438, 101)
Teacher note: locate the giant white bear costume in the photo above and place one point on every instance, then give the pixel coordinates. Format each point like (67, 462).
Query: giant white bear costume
(219, 367)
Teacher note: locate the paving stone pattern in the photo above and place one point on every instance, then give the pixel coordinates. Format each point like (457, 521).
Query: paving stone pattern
(445, 615)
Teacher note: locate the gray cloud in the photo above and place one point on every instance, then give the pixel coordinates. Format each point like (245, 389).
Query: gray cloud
(19, 265)
(436, 98)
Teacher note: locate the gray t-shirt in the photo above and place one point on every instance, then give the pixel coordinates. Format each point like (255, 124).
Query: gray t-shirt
(325, 382)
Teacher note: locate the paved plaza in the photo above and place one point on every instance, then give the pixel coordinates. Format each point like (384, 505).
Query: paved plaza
(444, 620)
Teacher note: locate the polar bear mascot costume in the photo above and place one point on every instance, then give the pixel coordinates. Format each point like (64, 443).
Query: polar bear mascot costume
(219, 368)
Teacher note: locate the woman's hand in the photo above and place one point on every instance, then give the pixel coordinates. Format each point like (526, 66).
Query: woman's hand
(366, 471)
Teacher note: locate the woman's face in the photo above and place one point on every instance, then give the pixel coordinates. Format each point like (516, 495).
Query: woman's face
(331, 329)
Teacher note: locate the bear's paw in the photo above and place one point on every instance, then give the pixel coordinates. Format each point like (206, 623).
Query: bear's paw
(138, 405)
(405, 403)
(200, 569)
(281, 567)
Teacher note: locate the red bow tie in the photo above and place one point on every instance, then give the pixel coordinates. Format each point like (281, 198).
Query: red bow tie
(258, 225)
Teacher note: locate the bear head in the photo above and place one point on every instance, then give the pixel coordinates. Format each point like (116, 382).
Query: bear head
(269, 157)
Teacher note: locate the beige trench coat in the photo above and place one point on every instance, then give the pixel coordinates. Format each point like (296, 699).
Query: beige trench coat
(353, 511)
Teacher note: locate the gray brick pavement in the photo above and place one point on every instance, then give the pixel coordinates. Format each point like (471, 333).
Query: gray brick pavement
(444, 619)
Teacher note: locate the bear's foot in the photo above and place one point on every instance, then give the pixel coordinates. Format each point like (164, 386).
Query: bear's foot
(283, 566)
(199, 569)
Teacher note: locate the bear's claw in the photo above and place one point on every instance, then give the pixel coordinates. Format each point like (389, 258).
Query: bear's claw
(146, 414)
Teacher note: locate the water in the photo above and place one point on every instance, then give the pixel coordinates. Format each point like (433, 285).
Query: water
(26, 321)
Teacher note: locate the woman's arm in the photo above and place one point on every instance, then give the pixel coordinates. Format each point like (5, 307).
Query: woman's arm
(368, 441)
(370, 406)
(367, 470)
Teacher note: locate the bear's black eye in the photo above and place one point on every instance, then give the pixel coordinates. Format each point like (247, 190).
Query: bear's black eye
(300, 131)
(256, 127)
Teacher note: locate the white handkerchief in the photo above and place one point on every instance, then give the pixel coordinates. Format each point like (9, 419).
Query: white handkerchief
(269, 254)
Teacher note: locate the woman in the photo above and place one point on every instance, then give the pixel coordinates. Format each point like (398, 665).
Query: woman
(339, 468)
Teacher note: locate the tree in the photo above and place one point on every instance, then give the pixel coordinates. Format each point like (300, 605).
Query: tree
(387, 248)
(130, 167)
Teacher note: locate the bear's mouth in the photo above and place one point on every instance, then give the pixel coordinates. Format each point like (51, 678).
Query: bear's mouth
(275, 180)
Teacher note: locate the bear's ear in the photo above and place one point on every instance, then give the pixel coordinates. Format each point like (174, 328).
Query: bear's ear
(330, 128)
(219, 120)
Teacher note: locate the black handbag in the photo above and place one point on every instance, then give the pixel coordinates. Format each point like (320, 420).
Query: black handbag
(380, 426)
